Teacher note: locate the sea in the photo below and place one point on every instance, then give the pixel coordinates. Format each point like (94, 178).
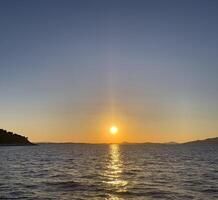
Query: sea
(113, 171)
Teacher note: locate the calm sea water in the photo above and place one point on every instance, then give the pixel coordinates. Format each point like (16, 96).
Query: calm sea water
(109, 172)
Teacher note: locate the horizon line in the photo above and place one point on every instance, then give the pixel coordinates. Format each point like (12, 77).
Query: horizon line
(125, 142)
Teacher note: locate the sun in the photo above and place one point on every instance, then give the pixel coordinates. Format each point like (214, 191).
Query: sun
(113, 130)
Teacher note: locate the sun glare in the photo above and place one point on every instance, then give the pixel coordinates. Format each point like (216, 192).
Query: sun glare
(113, 130)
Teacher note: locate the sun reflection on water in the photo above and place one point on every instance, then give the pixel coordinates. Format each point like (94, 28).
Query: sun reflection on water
(114, 182)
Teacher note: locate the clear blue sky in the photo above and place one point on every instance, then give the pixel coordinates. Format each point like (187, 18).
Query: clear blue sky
(69, 68)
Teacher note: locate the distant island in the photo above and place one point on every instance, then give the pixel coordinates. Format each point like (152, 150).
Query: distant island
(9, 138)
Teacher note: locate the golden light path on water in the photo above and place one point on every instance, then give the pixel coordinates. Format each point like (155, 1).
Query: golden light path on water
(114, 172)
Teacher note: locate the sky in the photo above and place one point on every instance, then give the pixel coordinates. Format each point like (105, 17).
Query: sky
(71, 69)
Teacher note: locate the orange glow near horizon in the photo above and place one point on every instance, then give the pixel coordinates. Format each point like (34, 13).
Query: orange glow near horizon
(106, 128)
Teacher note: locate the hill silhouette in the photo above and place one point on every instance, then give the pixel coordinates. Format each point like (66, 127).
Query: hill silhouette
(206, 141)
(9, 138)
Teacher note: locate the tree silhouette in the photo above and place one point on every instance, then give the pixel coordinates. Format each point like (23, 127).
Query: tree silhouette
(12, 138)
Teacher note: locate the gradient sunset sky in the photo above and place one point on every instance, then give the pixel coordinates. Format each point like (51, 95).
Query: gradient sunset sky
(71, 69)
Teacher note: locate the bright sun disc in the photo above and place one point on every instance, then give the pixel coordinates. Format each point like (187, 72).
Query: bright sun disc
(114, 130)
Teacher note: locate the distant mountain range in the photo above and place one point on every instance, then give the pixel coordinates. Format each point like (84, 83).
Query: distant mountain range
(9, 138)
(206, 141)
(209, 141)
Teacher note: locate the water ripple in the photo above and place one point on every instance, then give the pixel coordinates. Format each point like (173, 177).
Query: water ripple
(113, 172)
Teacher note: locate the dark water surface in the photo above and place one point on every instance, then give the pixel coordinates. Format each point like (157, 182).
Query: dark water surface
(74, 171)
